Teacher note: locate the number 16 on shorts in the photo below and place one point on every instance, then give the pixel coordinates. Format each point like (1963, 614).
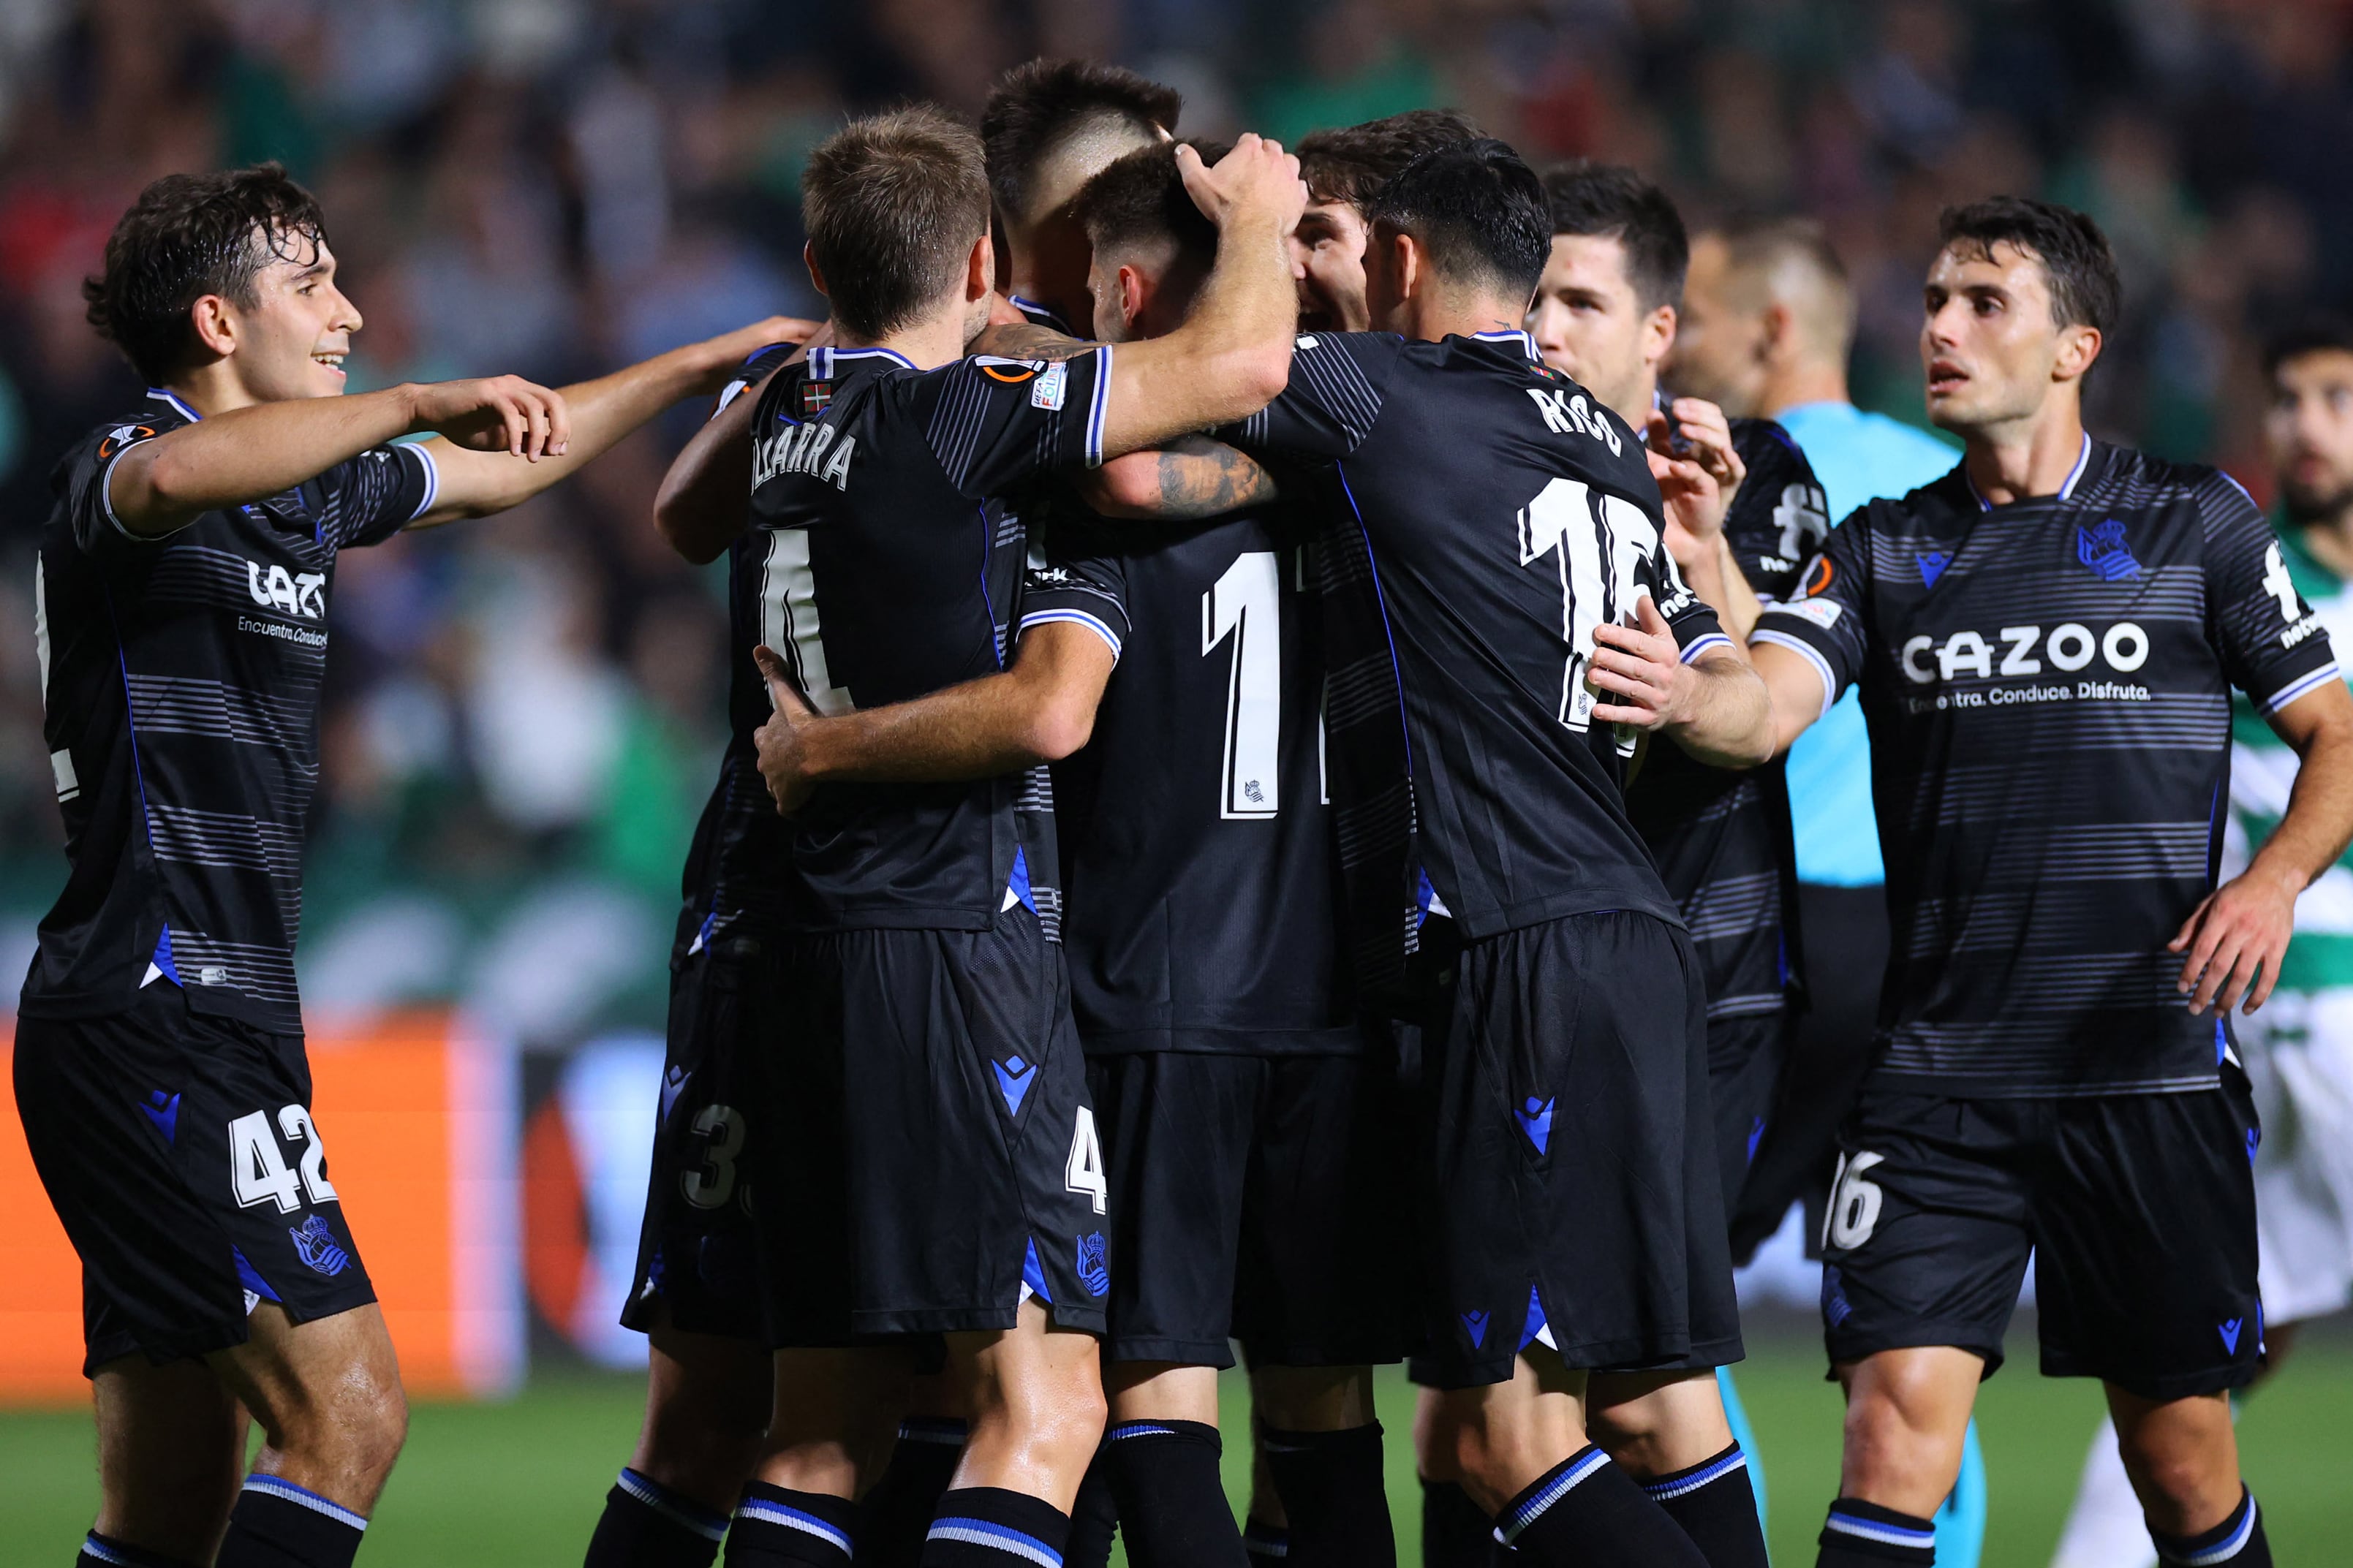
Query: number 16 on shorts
(1854, 1202)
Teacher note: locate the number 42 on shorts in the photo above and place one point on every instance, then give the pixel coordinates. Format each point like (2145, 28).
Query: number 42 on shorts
(257, 1173)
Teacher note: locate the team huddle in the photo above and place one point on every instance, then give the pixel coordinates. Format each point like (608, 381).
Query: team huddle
(1256, 816)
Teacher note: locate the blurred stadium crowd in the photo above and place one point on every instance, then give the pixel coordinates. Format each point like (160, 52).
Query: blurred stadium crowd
(524, 716)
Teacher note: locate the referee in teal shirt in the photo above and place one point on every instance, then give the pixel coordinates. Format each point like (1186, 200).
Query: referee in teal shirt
(1768, 320)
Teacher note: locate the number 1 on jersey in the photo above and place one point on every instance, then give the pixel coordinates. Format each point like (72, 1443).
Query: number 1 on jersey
(1598, 553)
(1244, 605)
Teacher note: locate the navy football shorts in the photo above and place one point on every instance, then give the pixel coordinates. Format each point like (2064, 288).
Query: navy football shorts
(1259, 1199)
(1569, 1191)
(697, 1250)
(927, 1156)
(179, 1152)
(2137, 1209)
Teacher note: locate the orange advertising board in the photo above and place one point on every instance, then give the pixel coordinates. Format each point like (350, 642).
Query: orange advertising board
(417, 1116)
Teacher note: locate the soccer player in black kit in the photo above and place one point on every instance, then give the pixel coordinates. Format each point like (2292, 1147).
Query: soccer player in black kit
(2045, 641)
(1510, 592)
(925, 1115)
(181, 594)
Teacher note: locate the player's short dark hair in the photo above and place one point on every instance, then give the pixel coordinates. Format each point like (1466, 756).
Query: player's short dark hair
(1610, 201)
(2085, 290)
(892, 204)
(188, 235)
(1350, 163)
(2321, 332)
(1140, 198)
(1477, 209)
(1037, 107)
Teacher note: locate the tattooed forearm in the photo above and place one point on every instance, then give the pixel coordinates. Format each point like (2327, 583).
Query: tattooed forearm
(1201, 478)
(1023, 339)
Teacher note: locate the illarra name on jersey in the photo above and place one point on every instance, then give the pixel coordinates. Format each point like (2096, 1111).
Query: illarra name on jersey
(2047, 685)
(1498, 517)
(882, 565)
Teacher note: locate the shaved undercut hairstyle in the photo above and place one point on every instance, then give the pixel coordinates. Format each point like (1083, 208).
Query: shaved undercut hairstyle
(1610, 201)
(1477, 210)
(1350, 163)
(188, 235)
(1791, 261)
(1040, 108)
(893, 205)
(1141, 200)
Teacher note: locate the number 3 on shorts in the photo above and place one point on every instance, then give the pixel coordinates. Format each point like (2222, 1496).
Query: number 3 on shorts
(1854, 1202)
(1084, 1170)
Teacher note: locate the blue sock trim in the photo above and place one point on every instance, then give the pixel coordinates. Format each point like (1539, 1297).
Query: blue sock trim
(767, 1510)
(1270, 1542)
(2235, 1532)
(1689, 1481)
(302, 1497)
(682, 1511)
(1879, 1530)
(1003, 1538)
(1565, 1478)
(1127, 1429)
(943, 1430)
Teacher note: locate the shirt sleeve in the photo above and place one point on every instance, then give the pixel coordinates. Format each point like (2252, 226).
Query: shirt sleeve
(374, 496)
(1076, 576)
(2274, 648)
(1339, 385)
(996, 422)
(756, 369)
(1692, 619)
(1822, 619)
(88, 472)
(1779, 518)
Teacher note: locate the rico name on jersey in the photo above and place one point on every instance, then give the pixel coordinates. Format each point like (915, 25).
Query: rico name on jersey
(2047, 685)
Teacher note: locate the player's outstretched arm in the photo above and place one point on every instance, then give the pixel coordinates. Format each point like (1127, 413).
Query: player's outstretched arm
(243, 455)
(476, 483)
(2236, 937)
(1192, 477)
(1715, 707)
(701, 506)
(1039, 710)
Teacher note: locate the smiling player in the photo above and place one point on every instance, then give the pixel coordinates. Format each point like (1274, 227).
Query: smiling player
(181, 594)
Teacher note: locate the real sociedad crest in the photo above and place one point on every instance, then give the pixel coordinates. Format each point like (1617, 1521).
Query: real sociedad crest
(318, 1246)
(1092, 1271)
(2102, 549)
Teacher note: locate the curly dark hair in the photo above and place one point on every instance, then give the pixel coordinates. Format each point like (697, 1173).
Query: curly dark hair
(2084, 288)
(1350, 163)
(188, 235)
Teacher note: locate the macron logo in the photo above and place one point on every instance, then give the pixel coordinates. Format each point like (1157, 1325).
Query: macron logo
(302, 594)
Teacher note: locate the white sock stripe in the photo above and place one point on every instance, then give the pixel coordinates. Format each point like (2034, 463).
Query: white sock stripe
(646, 1492)
(1684, 1486)
(765, 1512)
(2223, 1550)
(1012, 1542)
(1885, 1534)
(1560, 1486)
(270, 1486)
(1139, 1429)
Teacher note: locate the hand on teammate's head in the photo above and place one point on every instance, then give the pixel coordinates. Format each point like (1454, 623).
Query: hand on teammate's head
(1257, 178)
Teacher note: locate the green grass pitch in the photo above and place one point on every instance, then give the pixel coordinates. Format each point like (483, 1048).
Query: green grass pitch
(519, 1484)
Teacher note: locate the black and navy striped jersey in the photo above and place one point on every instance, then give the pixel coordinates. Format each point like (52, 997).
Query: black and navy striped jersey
(883, 564)
(1200, 887)
(180, 680)
(1722, 836)
(1498, 516)
(2048, 689)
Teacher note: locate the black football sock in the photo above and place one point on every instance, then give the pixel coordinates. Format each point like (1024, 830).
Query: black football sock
(1717, 1506)
(1173, 1511)
(647, 1525)
(2238, 1540)
(1455, 1531)
(105, 1551)
(894, 1519)
(1094, 1518)
(1860, 1534)
(774, 1527)
(1586, 1512)
(990, 1527)
(1334, 1495)
(1268, 1545)
(276, 1524)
